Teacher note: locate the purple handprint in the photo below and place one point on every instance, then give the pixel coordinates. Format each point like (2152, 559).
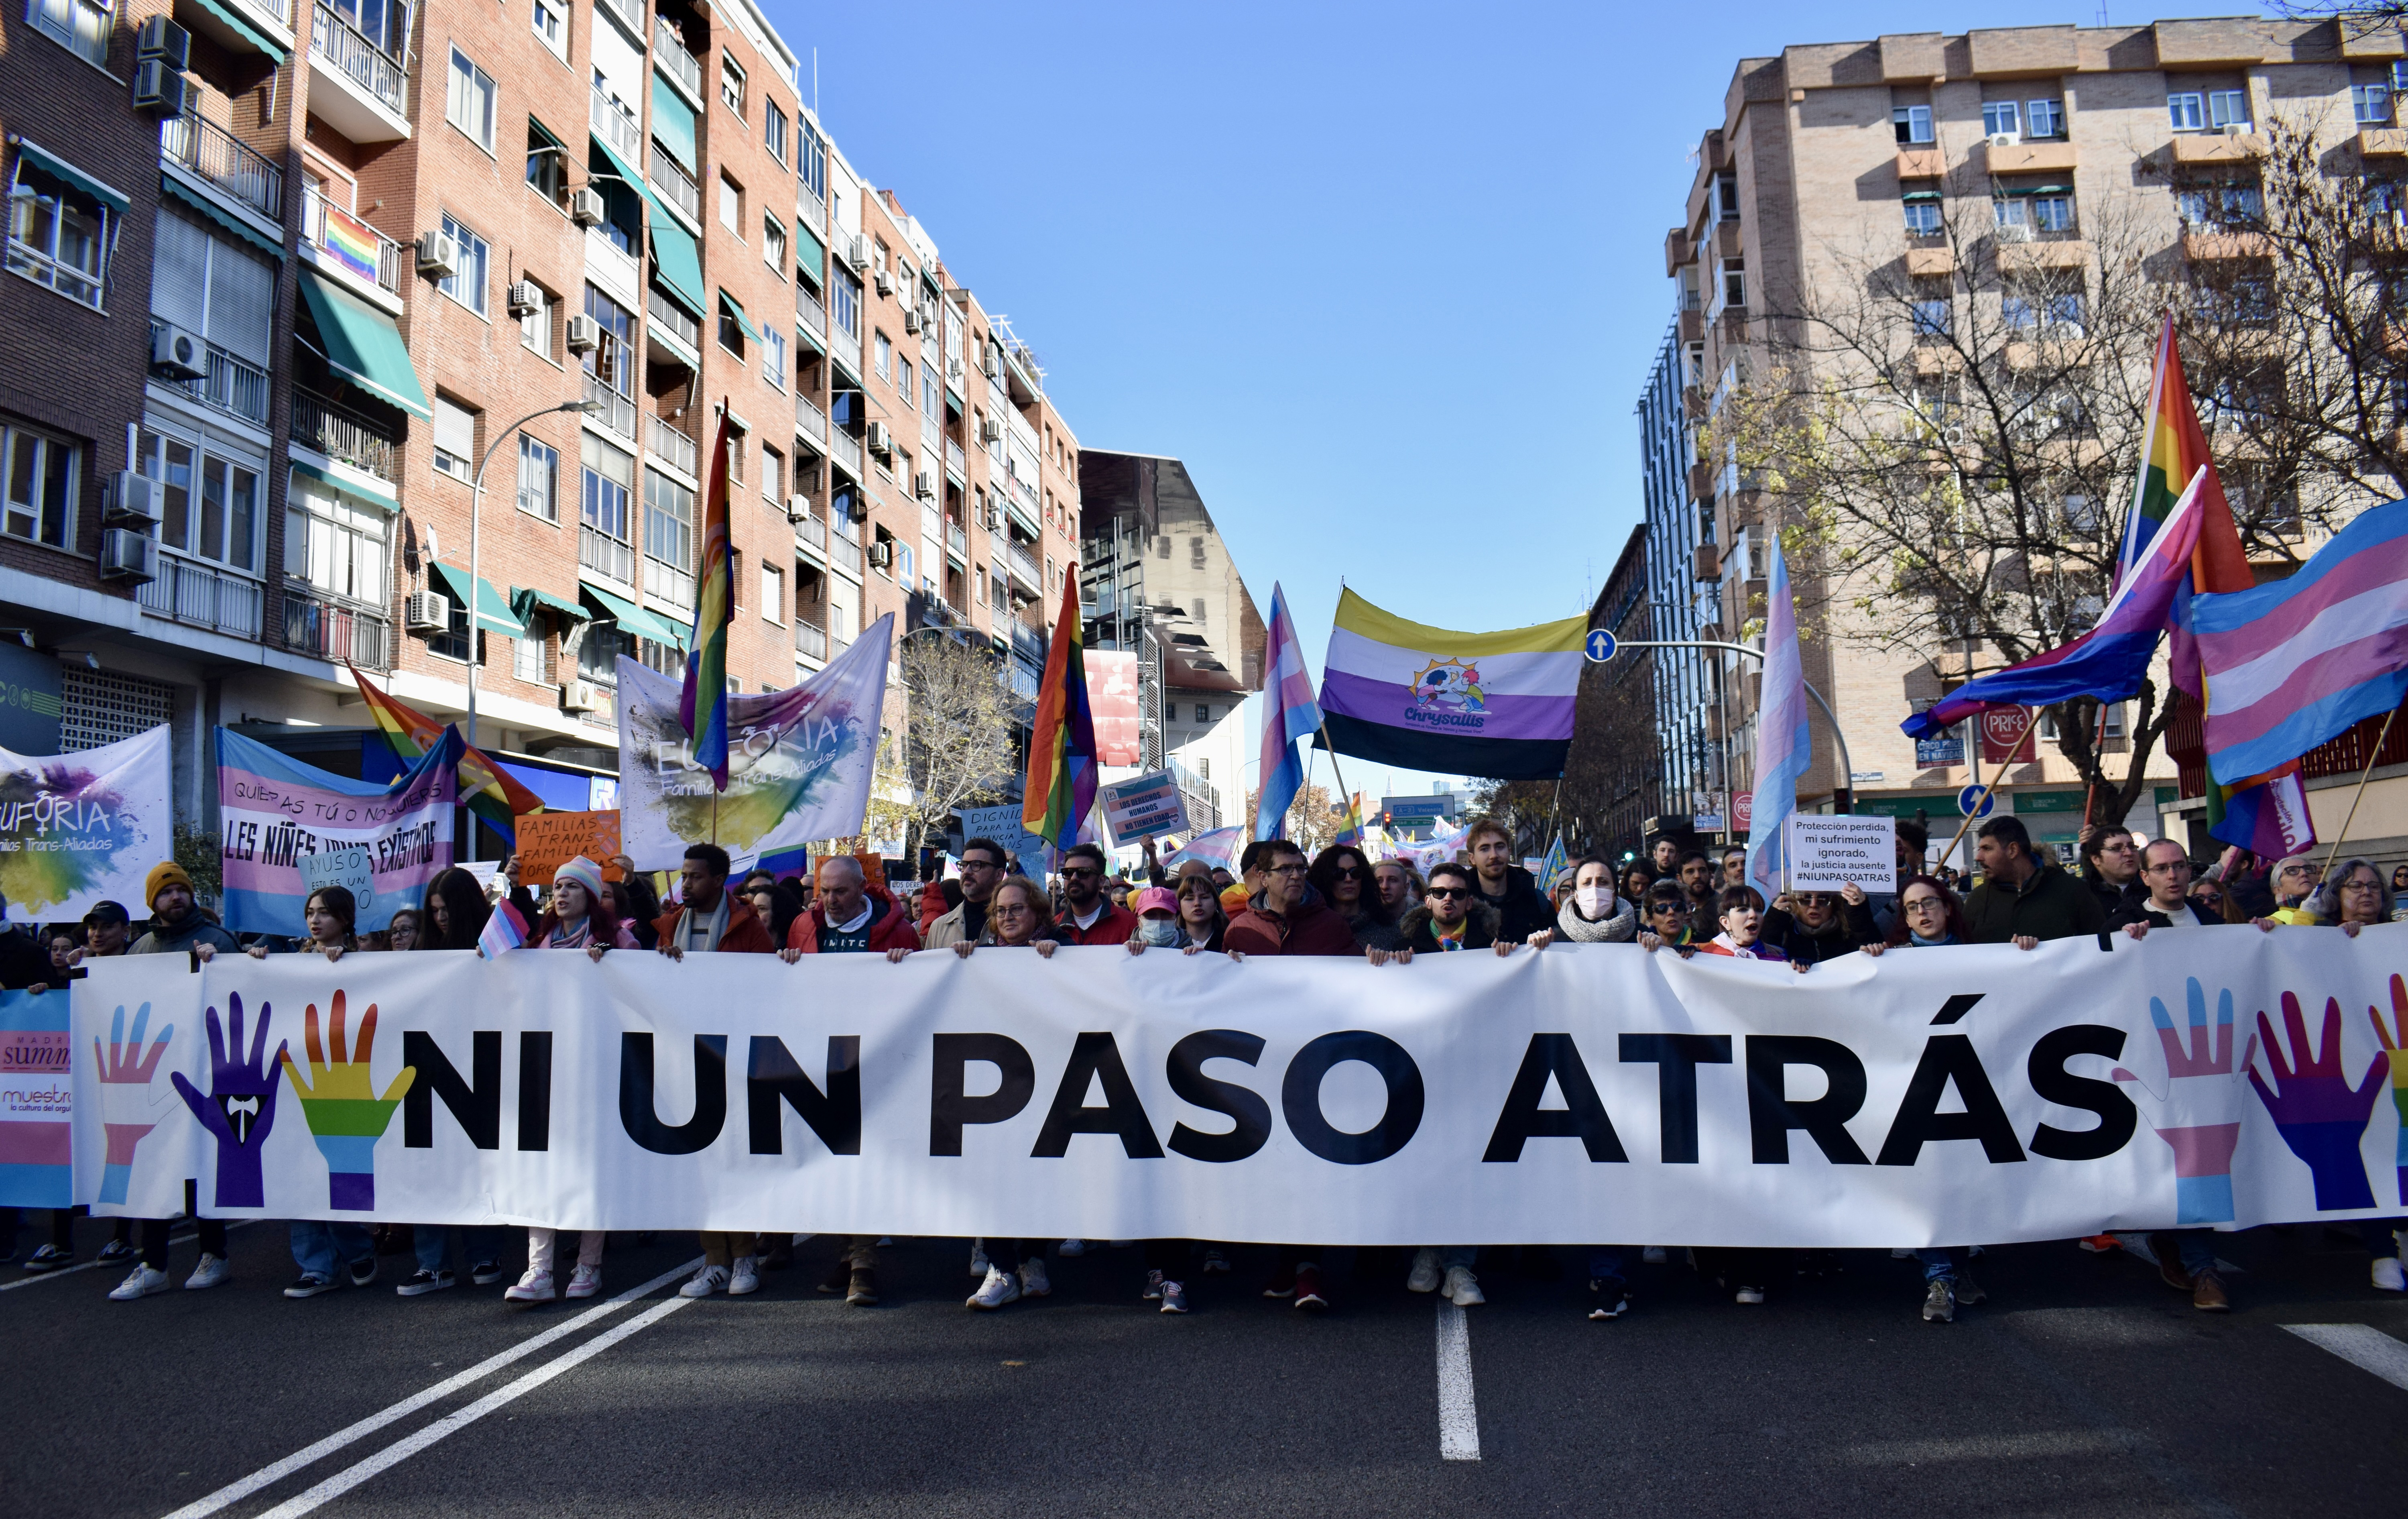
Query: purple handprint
(2318, 1113)
(240, 1105)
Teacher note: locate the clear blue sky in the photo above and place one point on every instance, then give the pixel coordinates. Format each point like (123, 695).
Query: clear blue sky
(1388, 278)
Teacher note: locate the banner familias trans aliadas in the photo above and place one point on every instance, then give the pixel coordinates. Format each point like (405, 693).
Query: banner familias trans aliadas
(1578, 1094)
(85, 827)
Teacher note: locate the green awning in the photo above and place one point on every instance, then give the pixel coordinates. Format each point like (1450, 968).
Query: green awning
(675, 257)
(494, 614)
(633, 619)
(526, 603)
(244, 29)
(2034, 190)
(811, 253)
(220, 215)
(735, 308)
(673, 122)
(382, 494)
(363, 346)
(57, 167)
(619, 165)
(1921, 194)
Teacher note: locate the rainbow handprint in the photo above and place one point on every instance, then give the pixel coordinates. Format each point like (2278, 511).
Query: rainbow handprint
(2319, 1115)
(344, 1113)
(2395, 1050)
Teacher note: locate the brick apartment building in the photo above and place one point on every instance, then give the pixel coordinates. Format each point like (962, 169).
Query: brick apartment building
(369, 240)
(1834, 157)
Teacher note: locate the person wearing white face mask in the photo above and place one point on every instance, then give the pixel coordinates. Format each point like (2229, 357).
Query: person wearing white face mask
(1593, 913)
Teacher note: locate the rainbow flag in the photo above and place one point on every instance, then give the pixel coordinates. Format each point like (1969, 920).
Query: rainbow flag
(1428, 698)
(703, 709)
(1350, 826)
(351, 241)
(1060, 787)
(485, 788)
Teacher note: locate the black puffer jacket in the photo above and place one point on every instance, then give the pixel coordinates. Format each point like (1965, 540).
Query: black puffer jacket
(1520, 912)
(1849, 930)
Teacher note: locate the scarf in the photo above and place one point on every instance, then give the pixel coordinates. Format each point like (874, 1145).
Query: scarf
(695, 932)
(1618, 924)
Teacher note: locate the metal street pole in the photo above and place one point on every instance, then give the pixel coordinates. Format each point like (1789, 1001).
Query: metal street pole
(1839, 739)
(476, 519)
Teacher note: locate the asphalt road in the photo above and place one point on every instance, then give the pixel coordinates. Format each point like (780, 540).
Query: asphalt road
(2083, 1387)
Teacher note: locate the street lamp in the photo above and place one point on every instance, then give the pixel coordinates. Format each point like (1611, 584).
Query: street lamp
(475, 516)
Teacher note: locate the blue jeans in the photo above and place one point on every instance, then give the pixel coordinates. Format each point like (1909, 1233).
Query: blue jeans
(1940, 1262)
(2376, 1235)
(316, 1246)
(1605, 1262)
(2198, 1248)
(1451, 1256)
(483, 1245)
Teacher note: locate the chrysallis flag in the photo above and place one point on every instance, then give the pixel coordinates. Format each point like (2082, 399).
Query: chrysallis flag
(702, 707)
(2109, 662)
(1289, 713)
(1060, 788)
(2293, 664)
(276, 814)
(1431, 698)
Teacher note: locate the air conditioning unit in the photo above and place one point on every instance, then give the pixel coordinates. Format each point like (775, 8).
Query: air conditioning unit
(993, 519)
(584, 334)
(128, 555)
(427, 611)
(575, 695)
(525, 297)
(923, 485)
(2015, 232)
(163, 40)
(912, 323)
(857, 255)
(883, 282)
(2003, 140)
(880, 556)
(882, 439)
(799, 508)
(158, 90)
(439, 254)
(953, 370)
(178, 354)
(994, 365)
(133, 497)
(2236, 129)
(990, 430)
(585, 206)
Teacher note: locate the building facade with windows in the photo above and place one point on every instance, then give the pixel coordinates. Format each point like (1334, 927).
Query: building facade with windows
(287, 279)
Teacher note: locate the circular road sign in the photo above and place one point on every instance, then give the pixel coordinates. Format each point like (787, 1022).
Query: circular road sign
(1976, 801)
(1601, 645)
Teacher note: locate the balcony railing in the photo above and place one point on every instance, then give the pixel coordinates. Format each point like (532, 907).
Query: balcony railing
(1026, 489)
(810, 419)
(809, 642)
(204, 598)
(810, 312)
(1022, 561)
(347, 49)
(1028, 642)
(845, 448)
(616, 125)
(232, 385)
(617, 412)
(954, 457)
(671, 447)
(346, 239)
(631, 10)
(669, 50)
(668, 313)
(842, 551)
(813, 531)
(667, 587)
(610, 265)
(337, 631)
(344, 435)
(605, 556)
(813, 212)
(210, 150)
(671, 175)
(957, 539)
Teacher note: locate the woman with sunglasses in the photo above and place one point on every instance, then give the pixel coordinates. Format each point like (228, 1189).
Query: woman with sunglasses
(1343, 875)
(1668, 922)
(1814, 927)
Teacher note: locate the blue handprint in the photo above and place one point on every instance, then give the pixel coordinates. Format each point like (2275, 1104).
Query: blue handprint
(240, 1105)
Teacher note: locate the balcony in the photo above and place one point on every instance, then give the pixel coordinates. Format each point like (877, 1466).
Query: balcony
(810, 420)
(843, 552)
(2047, 157)
(668, 53)
(845, 450)
(813, 212)
(958, 541)
(615, 125)
(613, 267)
(955, 460)
(606, 556)
(1027, 643)
(233, 385)
(209, 153)
(667, 588)
(810, 312)
(669, 316)
(339, 632)
(674, 181)
(668, 446)
(194, 594)
(343, 240)
(616, 411)
(1023, 489)
(810, 642)
(344, 435)
(357, 62)
(1023, 563)
(811, 531)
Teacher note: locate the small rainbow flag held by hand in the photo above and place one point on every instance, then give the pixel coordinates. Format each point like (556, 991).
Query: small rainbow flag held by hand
(1060, 788)
(703, 709)
(486, 789)
(505, 931)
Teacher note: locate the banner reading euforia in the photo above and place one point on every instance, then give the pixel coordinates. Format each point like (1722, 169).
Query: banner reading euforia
(1580, 1094)
(80, 828)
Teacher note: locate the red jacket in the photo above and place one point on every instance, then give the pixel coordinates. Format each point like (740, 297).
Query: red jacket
(891, 929)
(746, 933)
(1313, 927)
(1113, 925)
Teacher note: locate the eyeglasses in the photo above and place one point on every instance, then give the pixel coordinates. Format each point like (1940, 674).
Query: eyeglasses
(1081, 872)
(1450, 893)
(1294, 867)
(1927, 904)
(2167, 867)
(1816, 900)
(1661, 909)
(980, 865)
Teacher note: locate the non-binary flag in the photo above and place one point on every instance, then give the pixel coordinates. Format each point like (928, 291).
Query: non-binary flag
(702, 707)
(1060, 788)
(493, 794)
(1784, 747)
(1431, 698)
(1290, 713)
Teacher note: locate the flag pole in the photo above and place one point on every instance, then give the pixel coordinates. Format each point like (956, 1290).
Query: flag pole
(2364, 776)
(1334, 770)
(2004, 766)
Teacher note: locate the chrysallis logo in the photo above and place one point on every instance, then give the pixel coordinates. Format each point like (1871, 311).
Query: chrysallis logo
(1447, 694)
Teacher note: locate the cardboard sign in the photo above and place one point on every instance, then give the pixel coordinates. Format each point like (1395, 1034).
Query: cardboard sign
(1145, 806)
(352, 868)
(548, 840)
(1826, 854)
(1003, 824)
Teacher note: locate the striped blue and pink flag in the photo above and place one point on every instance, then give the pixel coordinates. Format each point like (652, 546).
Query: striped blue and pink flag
(1784, 747)
(1290, 713)
(505, 931)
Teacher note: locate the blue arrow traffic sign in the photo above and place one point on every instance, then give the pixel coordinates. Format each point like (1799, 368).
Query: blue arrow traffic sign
(1976, 801)
(1601, 645)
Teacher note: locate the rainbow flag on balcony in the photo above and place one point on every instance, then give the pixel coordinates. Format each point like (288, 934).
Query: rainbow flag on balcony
(352, 242)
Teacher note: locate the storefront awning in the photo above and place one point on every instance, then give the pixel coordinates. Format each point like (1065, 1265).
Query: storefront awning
(633, 619)
(526, 602)
(363, 346)
(494, 614)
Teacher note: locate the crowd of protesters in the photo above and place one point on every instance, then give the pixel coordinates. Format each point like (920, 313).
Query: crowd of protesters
(1340, 903)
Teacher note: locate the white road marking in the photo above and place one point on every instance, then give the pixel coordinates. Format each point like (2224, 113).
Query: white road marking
(2361, 1345)
(243, 1488)
(1458, 1419)
(135, 1258)
(394, 1454)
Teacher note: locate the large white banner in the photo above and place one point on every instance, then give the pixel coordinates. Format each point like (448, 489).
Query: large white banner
(86, 827)
(1582, 1093)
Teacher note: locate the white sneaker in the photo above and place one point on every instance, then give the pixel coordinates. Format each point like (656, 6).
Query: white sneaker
(146, 1280)
(1424, 1275)
(978, 1259)
(211, 1271)
(584, 1281)
(1748, 1294)
(1463, 1288)
(744, 1279)
(996, 1290)
(1032, 1278)
(704, 1282)
(1072, 1249)
(2387, 1275)
(533, 1287)
(1653, 1254)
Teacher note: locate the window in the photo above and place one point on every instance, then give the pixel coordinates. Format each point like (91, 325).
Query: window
(2044, 118)
(456, 438)
(547, 167)
(2184, 110)
(1932, 316)
(41, 473)
(2053, 213)
(609, 476)
(773, 244)
(2001, 116)
(773, 474)
(773, 593)
(58, 236)
(2020, 312)
(1923, 217)
(668, 540)
(539, 478)
(731, 332)
(1913, 124)
(737, 446)
(526, 660)
(773, 354)
(903, 382)
(848, 305)
(468, 100)
(2228, 108)
(928, 391)
(534, 328)
(1727, 196)
(466, 283)
(882, 354)
(1734, 285)
(1203, 714)
(773, 130)
(2220, 205)
(903, 562)
(810, 162)
(77, 25)
(731, 84)
(2371, 104)
(731, 207)
(2010, 211)
(212, 506)
(611, 361)
(219, 288)
(552, 24)
(337, 548)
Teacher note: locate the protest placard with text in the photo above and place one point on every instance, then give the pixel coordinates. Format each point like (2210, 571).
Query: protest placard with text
(1826, 854)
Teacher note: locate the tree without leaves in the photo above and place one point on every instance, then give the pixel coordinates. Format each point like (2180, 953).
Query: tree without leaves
(1311, 823)
(957, 747)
